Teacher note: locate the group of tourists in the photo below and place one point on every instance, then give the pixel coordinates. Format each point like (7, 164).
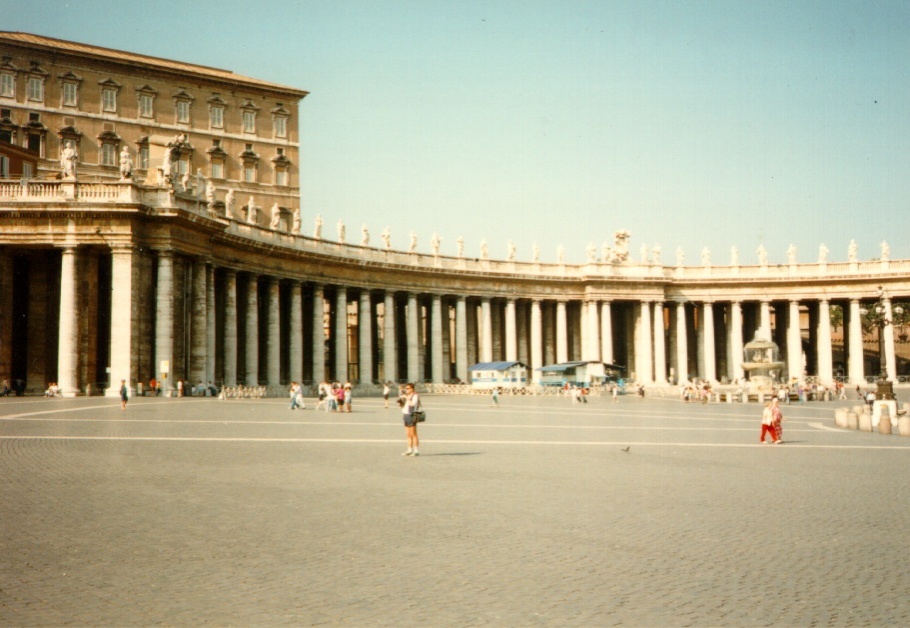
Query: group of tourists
(772, 422)
(334, 397)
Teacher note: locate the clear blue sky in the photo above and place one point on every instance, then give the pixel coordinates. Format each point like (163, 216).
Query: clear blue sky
(689, 124)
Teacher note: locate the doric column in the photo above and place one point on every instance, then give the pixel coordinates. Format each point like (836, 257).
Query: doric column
(413, 321)
(887, 343)
(511, 332)
(536, 341)
(736, 339)
(341, 334)
(794, 341)
(318, 356)
(486, 337)
(643, 363)
(461, 339)
(710, 373)
(606, 333)
(252, 332)
(682, 344)
(855, 350)
(436, 339)
(295, 341)
(389, 350)
(660, 349)
(210, 323)
(823, 335)
(230, 327)
(199, 334)
(273, 340)
(591, 350)
(68, 348)
(365, 333)
(123, 325)
(562, 333)
(164, 323)
(764, 320)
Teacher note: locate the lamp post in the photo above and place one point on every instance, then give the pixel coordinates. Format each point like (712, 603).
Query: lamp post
(880, 316)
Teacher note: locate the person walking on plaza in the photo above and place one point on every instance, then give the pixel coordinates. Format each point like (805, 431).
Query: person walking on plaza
(385, 394)
(495, 401)
(124, 394)
(767, 424)
(346, 396)
(614, 392)
(411, 403)
(777, 421)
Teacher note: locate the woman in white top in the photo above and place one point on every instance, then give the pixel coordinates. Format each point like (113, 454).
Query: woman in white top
(411, 403)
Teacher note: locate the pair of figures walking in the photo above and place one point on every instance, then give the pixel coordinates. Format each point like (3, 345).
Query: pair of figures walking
(772, 422)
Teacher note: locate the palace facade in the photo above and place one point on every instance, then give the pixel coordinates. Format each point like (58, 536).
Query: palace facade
(167, 243)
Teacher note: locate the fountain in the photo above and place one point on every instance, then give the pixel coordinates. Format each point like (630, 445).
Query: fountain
(763, 365)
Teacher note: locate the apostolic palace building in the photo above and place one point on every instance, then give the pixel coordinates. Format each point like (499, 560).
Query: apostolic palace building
(150, 227)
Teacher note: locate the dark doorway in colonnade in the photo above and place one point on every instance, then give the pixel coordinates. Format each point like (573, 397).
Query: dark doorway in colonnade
(36, 318)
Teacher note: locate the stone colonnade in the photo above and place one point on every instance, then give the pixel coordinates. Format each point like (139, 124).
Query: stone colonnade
(193, 320)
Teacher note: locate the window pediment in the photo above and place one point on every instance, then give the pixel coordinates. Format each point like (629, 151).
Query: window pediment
(36, 70)
(183, 95)
(217, 101)
(108, 136)
(109, 84)
(147, 89)
(280, 111)
(70, 77)
(249, 105)
(7, 65)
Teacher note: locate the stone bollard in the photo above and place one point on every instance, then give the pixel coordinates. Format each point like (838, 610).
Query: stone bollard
(852, 420)
(884, 422)
(865, 422)
(88, 390)
(903, 425)
(840, 417)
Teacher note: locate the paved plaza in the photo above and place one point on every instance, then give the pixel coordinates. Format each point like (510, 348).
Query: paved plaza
(182, 512)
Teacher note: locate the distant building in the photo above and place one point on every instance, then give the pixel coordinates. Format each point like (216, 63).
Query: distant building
(505, 374)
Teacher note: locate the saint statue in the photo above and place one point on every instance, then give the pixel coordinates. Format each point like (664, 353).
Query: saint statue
(591, 252)
(655, 255)
(364, 235)
(210, 195)
(68, 161)
(535, 253)
(200, 183)
(822, 253)
(851, 251)
(459, 246)
(680, 256)
(317, 228)
(606, 253)
(229, 203)
(484, 252)
(560, 254)
(886, 251)
(126, 164)
(434, 244)
(340, 228)
(510, 251)
(386, 236)
(705, 257)
(643, 254)
(734, 255)
(251, 211)
(275, 222)
(412, 246)
(295, 222)
(762, 255)
(791, 254)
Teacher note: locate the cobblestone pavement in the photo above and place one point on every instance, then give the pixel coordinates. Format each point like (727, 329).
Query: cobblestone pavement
(236, 513)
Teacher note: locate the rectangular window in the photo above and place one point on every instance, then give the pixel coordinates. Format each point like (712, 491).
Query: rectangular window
(108, 155)
(143, 157)
(145, 106)
(109, 100)
(249, 174)
(7, 85)
(216, 118)
(249, 121)
(183, 112)
(34, 142)
(4, 167)
(36, 89)
(281, 127)
(217, 170)
(281, 177)
(183, 167)
(70, 91)
(27, 171)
